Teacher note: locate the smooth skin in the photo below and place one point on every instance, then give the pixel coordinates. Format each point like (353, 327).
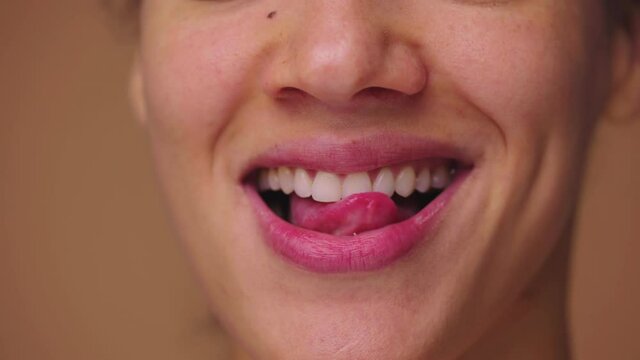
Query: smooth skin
(218, 82)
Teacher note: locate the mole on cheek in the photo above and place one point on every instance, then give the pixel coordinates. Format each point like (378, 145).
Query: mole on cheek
(272, 14)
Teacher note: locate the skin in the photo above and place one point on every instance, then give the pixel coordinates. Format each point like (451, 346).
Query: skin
(525, 80)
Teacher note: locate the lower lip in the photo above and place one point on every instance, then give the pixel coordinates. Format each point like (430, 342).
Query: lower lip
(368, 251)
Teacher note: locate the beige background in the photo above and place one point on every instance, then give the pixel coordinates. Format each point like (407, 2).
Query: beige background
(88, 268)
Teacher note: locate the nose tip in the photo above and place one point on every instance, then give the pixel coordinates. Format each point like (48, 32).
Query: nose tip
(337, 59)
(335, 74)
(332, 73)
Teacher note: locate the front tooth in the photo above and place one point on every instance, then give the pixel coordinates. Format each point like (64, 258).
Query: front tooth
(286, 179)
(263, 180)
(384, 182)
(326, 187)
(423, 181)
(440, 177)
(302, 183)
(274, 181)
(355, 184)
(406, 181)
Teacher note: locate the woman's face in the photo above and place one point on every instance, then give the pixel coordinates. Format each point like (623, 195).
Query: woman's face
(496, 99)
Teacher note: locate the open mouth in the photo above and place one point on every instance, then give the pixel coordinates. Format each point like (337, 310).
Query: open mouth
(349, 205)
(354, 203)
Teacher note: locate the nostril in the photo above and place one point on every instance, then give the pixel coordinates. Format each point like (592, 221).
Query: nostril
(291, 93)
(370, 95)
(380, 93)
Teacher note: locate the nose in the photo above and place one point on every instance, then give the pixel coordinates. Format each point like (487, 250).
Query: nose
(337, 51)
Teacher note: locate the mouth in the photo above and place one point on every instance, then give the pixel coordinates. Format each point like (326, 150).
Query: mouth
(360, 209)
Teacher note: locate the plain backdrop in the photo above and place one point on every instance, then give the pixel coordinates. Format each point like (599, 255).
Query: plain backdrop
(88, 266)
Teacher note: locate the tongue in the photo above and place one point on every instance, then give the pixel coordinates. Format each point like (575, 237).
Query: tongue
(355, 214)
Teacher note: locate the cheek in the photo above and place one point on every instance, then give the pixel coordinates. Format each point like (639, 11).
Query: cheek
(522, 70)
(197, 71)
(196, 74)
(531, 75)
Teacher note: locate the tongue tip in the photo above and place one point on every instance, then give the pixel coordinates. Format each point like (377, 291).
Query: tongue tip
(353, 214)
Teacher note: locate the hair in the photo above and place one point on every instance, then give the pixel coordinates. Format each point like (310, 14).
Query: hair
(125, 14)
(621, 13)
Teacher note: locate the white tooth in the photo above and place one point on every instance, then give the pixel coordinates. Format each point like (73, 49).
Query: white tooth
(384, 182)
(355, 184)
(326, 187)
(423, 181)
(440, 177)
(274, 181)
(302, 183)
(286, 179)
(406, 181)
(263, 180)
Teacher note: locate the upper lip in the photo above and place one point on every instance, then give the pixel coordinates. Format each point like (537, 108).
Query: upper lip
(365, 153)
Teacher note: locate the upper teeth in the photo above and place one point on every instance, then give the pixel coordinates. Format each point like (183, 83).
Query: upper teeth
(329, 187)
